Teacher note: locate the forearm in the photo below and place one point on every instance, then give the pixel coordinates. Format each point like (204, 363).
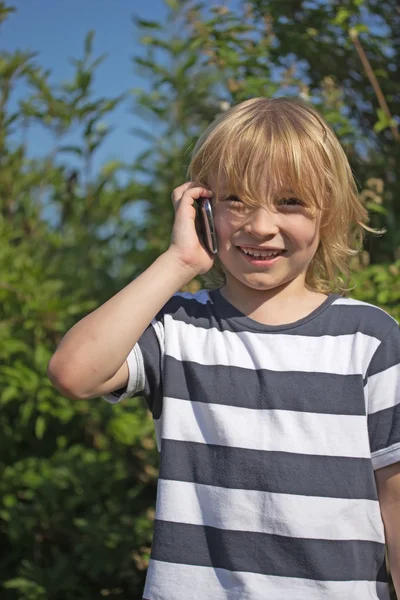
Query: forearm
(396, 580)
(394, 562)
(392, 531)
(97, 346)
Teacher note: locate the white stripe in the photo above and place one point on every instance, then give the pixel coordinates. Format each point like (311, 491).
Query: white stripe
(354, 302)
(166, 581)
(265, 512)
(342, 354)
(202, 296)
(136, 377)
(384, 389)
(271, 430)
(159, 331)
(386, 456)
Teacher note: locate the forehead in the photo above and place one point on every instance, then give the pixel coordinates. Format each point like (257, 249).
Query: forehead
(263, 188)
(260, 170)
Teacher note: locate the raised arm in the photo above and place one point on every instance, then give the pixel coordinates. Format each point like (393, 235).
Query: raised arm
(90, 360)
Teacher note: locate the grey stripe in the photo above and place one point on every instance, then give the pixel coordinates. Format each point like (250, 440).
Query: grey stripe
(387, 354)
(342, 319)
(384, 428)
(280, 472)
(150, 349)
(261, 389)
(281, 556)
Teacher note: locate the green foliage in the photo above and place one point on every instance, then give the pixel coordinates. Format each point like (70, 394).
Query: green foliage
(380, 285)
(78, 477)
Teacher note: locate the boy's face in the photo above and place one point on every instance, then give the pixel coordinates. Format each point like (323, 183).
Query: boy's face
(265, 247)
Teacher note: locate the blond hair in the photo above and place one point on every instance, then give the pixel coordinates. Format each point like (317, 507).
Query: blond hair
(261, 146)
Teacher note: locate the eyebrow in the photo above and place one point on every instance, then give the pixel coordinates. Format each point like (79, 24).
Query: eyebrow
(282, 193)
(287, 191)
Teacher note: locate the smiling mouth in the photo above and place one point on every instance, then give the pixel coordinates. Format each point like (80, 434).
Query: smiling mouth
(260, 254)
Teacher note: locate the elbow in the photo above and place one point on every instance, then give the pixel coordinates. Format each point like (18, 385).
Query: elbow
(62, 381)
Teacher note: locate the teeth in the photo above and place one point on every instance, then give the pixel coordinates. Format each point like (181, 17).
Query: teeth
(260, 253)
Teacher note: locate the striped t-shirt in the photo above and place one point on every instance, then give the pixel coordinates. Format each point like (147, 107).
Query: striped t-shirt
(269, 437)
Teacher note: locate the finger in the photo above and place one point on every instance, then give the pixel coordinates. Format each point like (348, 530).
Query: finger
(179, 191)
(194, 193)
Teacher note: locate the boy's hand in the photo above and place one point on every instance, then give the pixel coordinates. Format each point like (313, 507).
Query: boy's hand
(186, 244)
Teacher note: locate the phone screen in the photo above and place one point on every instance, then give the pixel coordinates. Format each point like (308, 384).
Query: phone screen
(207, 225)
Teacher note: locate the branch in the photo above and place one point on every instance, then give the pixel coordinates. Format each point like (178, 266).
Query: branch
(374, 82)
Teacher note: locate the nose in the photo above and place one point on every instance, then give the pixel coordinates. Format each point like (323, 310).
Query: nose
(261, 223)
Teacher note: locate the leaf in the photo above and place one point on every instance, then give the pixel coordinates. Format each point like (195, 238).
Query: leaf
(109, 168)
(146, 40)
(40, 427)
(174, 4)
(5, 11)
(89, 126)
(189, 63)
(383, 122)
(147, 24)
(342, 15)
(74, 149)
(9, 393)
(26, 412)
(361, 28)
(29, 589)
(89, 42)
(41, 357)
(100, 59)
(10, 500)
(126, 428)
(84, 79)
(377, 208)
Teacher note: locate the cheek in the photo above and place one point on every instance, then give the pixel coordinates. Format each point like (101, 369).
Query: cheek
(314, 235)
(304, 231)
(224, 225)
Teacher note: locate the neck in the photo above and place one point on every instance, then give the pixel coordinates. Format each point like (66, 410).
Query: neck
(284, 304)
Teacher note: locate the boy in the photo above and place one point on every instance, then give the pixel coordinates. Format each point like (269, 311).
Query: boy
(276, 402)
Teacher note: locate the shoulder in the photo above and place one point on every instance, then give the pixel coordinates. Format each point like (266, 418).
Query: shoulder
(188, 307)
(364, 317)
(188, 300)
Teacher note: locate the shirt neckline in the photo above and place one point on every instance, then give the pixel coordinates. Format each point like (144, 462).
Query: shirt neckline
(230, 313)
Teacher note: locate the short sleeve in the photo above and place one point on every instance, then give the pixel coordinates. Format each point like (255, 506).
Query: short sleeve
(144, 366)
(383, 392)
(136, 378)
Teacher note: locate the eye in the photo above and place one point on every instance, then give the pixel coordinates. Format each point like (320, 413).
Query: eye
(290, 202)
(233, 198)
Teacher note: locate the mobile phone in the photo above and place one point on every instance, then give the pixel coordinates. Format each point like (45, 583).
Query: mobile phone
(207, 226)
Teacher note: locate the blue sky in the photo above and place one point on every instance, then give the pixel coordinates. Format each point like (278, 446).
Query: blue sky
(56, 29)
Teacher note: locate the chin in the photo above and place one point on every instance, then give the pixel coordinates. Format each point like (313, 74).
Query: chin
(261, 285)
